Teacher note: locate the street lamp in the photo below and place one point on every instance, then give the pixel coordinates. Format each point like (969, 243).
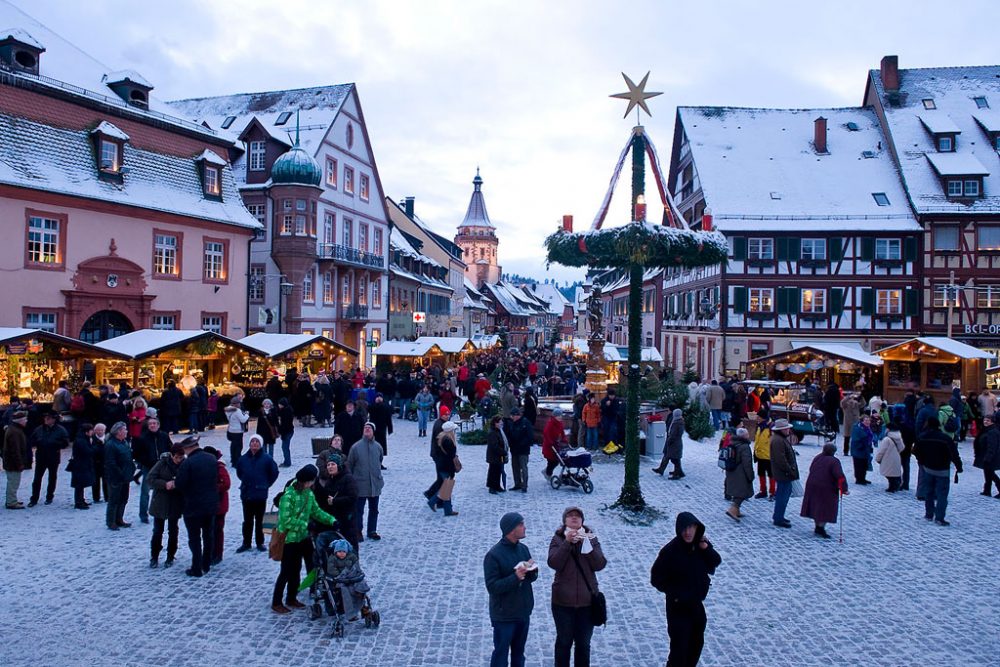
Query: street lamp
(284, 288)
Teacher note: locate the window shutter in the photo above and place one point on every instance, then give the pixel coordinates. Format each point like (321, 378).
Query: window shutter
(739, 248)
(835, 249)
(794, 299)
(867, 301)
(781, 297)
(782, 248)
(836, 301)
(867, 249)
(690, 304)
(910, 249)
(716, 298)
(912, 302)
(739, 299)
(794, 249)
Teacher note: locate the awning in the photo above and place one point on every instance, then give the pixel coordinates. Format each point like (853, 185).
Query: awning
(844, 352)
(448, 345)
(619, 354)
(17, 335)
(146, 343)
(924, 347)
(273, 345)
(405, 348)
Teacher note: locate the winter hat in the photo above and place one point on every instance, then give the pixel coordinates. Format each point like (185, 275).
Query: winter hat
(214, 452)
(781, 425)
(570, 510)
(335, 458)
(367, 424)
(307, 473)
(341, 545)
(557, 412)
(515, 411)
(151, 413)
(444, 411)
(677, 413)
(510, 521)
(448, 427)
(177, 448)
(253, 437)
(19, 415)
(190, 441)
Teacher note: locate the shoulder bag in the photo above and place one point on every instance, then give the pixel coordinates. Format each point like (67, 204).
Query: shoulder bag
(276, 547)
(598, 603)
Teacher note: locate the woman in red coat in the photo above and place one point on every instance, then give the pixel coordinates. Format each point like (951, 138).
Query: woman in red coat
(824, 485)
(223, 485)
(553, 437)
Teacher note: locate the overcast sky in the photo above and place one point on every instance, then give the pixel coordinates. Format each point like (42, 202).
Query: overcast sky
(521, 88)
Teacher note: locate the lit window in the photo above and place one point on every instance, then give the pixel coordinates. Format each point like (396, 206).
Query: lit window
(989, 237)
(256, 291)
(258, 155)
(163, 322)
(213, 185)
(300, 225)
(43, 241)
(215, 260)
(946, 237)
(228, 121)
(110, 156)
(286, 204)
(889, 302)
(283, 117)
(165, 255)
(307, 287)
(363, 187)
(328, 228)
(328, 287)
(988, 296)
(761, 300)
(929, 104)
(377, 293)
(888, 249)
(981, 102)
(760, 249)
(945, 144)
(880, 198)
(345, 291)
(348, 180)
(814, 249)
(212, 323)
(814, 301)
(362, 290)
(331, 172)
(43, 321)
(286, 224)
(346, 233)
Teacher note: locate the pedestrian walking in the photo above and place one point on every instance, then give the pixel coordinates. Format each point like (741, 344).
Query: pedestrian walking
(509, 571)
(223, 484)
(497, 452)
(784, 469)
(16, 457)
(48, 441)
(682, 571)
(824, 485)
(673, 449)
(576, 556)
(862, 446)
(553, 439)
(443, 417)
(82, 465)
(520, 436)
(118, 471)
(986, 451)
(425, 403)
(381, 416)
(851, 407)
(739, 473)
(236, 418)
(198, 482)
(166, 506)
(286, 429)
(936, 451)
(267, 426)
(762, 455)
(447, 465)
(257, 472)
(365, 463)
(889, 457)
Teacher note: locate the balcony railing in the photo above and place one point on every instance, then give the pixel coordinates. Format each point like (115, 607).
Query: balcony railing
(353, 311)
(350, 255)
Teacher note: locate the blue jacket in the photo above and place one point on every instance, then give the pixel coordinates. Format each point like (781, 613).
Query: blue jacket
(923, 414)
(511, 599)
(862, 440)
(257, 472)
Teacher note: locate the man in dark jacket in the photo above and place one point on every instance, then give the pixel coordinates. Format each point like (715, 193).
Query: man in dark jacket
(520, 435)
(49, 440)
(166, 506)
(444, 415)
(936, 452)
(784, 469)
(509, 572)
(257, 472)
(170, 408)
(349, 425)
(611, 405)
(682, 571)
(197, 480)
(380, 414)
(112, 411)
(16, 457)
(986, 450)
(146, 451)
(118, 471)
(926, 411)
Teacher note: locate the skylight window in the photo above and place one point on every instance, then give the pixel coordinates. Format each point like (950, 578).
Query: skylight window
(227, 122)
(853, 127)
(283, 117)
(775, 195)
(929, 104)
(981, 102)
(880, 198)
(867, 154)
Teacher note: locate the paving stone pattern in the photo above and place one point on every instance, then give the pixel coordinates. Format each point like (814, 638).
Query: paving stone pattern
(898, 591)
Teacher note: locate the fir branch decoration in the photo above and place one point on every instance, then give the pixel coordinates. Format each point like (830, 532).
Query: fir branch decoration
(643, 243)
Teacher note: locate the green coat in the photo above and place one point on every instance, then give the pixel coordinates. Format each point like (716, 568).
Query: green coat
(295, 511)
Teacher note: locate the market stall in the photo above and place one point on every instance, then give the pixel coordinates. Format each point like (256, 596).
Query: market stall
(279, 353)
(32, 363)
(933, 365)
(408, 355)
(455, 349)
(849, 366)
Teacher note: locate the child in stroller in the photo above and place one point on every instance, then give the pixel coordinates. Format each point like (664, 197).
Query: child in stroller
(574, 469)
(339, 585)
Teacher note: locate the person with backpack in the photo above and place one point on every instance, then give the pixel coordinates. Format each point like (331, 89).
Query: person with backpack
(949, 420)
(738, 465)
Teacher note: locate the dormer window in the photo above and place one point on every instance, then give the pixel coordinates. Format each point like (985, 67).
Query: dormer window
(109, 145)
(929, 104)
(942, 129)
(130, 86)
(20, 51)
(210, 165)
(945, 143)
(961, 174)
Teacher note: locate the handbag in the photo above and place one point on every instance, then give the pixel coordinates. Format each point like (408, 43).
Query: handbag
(276, 547)
(598, 603)
(69, 466)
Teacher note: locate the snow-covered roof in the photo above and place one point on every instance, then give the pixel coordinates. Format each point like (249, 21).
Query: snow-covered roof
(619, 353)
(952, 90)
(758, 168)
(957, 164)
(448, 344)
(420, 278)
(483, 341)
(945, 344)
(211, 157)
(52, 159)
(507, 296)
(22, 36)
(843, 351)
(551, 295)
(471, 289)
(110, 130)
(276, 345)
(938, 123)
(124, 75)
(989, 119)
(11, 334)
(405, 348)
(150, 342)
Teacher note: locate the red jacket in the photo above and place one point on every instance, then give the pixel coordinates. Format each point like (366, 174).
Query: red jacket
(533, 368)
(463, 374)
(553, 435)
(223, 487)
(482, 386)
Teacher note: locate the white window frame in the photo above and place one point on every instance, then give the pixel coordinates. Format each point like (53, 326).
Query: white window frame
(329, 294)
(988, 296)
(257, 156)
(954, 187)
(40, 320)
(817, 305)
(111, 156)
(212, 323)
(214, 260)
(257, 288)
(163, 322)
(760, 249)
(888, 250)
(363, 237)
(945, 145)
(377, 241)
(813, 249)
(345, 290)
(348, 180)
(43, 240)
(331, 172)
(889, 302)
(377, 293)
(971, 187)
(300, 224)
(363, 187)
(165, 252)
(763, 297)
(308, 287)
(213, 181)
(329, 227)
(347, 233)
(362, 290)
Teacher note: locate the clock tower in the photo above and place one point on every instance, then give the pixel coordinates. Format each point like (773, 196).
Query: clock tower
(478, 239)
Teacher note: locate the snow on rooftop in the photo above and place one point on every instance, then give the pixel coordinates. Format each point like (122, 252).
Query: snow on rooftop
(112, 131)
(957, 164)
(945, 344)
(211, 157)
(144, 341)
(953, 90)
(20, 36)
(939, 123)
(404, 348)
(742, 156)
(989, 119)
(448, 344)
(127, 75)
(275, 345)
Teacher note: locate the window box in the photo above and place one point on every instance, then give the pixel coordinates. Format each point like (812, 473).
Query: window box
(759, 263)
(889, 318)
(813, 317)
(761, 316)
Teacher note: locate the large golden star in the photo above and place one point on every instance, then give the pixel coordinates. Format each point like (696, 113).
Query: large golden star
(636, 95)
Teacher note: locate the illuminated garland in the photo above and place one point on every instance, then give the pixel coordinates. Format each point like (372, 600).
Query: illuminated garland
(643, 243)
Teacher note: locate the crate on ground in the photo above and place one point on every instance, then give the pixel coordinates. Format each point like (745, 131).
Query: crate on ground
(319, 444)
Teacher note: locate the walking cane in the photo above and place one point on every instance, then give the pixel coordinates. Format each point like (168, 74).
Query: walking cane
(841, 516)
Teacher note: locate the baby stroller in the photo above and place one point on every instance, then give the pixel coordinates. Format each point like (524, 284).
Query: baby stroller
(574, 469)
(343, 597)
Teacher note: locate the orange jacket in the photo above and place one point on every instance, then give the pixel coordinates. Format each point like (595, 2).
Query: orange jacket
(591, 415)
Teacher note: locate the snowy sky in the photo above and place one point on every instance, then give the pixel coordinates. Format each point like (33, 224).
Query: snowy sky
(521, 89)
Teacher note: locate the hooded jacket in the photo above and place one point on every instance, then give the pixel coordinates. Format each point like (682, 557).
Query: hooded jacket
(890, 464)
(683, 570)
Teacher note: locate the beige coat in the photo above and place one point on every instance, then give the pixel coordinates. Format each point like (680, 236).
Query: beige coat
(889, 462)
(852, 414)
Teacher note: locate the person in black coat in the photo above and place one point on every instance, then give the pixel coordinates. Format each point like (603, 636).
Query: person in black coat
(349, 425)
(146, 451)
(520, 437)
(530, 407)
(337, 494)
(197, 481)
(112, 411)
(267, 426)
(274, 390)
(509, 571)
(97, 441)
(381, 415)
(82, 470)
(170, 408)
(831, 405)
(302, 400)
(286, 429)
(936, 451)
(49, 440)
(682, 571)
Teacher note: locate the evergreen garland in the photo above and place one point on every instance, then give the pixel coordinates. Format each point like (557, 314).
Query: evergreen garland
(644, 243)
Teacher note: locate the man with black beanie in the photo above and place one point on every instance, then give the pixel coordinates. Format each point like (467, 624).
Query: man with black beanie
(509, 572)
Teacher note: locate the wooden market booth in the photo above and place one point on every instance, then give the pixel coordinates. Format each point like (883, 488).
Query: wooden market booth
(933, 365)
(305, 353)
(415, 354)
(32, 362)
(455, 349)
(822, 363)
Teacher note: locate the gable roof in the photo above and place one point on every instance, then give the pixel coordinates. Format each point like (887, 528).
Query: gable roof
(276, 345)
(146, 343)
(759, 165)
(551, 295)
(953, 90)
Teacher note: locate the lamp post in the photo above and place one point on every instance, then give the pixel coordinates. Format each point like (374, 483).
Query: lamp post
(286, 289)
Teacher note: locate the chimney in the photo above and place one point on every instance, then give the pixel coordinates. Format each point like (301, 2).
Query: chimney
(408, 206)
(819, 135)
(567, 223)
(889, 69)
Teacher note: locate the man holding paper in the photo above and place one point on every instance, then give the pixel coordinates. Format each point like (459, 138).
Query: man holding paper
(509, 571)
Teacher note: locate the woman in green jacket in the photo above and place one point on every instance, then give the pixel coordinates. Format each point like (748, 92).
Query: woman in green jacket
(298, 505)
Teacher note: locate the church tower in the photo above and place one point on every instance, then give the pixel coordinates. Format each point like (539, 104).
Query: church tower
(478, 239)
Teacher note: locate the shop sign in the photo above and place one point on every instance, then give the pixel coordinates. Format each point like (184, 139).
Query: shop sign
(315, 354)
(982, 329)
(17, 348)
(419, 317)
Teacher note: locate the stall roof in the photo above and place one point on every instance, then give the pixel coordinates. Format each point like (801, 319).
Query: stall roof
(851, 351)
(14, 334)
(275, 345)
(483, 341)
(619, 353)
(945, 344)
(405, 348)
(449, 344)
(146, 343)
